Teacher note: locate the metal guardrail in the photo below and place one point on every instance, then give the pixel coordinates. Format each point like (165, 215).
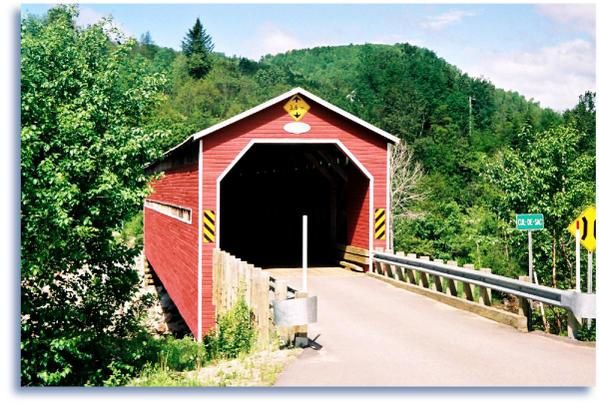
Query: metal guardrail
(291, 292)
(581, 304)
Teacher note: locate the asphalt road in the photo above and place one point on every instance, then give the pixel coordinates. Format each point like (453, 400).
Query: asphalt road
(373, 334)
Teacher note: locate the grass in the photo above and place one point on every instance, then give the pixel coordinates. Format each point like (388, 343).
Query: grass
(225, 357)
(253, 369)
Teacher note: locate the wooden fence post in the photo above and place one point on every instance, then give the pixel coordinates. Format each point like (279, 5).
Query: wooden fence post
(467, 286)
(399, 271)
(437, 279)
(389, 268)
(411, 275)
(378, 267)
(281, 294)
(524, 307)
(423, 276)
(263, 310)
(485, 297)
(451, 287)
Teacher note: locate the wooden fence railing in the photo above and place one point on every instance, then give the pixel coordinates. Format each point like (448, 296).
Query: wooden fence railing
(472, 290)
(457, 293)
(233, 279)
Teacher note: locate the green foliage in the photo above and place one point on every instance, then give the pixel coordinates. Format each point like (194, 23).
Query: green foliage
(94, 112)
(588, 334)
(180, 354)
(151, 355)
(197, 47)
(233, 335)
(83, 142)
(552, 175)
(133, 230)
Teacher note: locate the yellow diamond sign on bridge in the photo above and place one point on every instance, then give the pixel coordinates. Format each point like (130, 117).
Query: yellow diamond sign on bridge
(296, 107)
(588, 228)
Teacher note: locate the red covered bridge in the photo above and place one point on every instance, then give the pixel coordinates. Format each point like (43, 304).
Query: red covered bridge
(242, 185)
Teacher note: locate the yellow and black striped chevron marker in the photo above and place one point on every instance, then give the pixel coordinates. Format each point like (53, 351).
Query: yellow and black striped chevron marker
(209, 226)
(379, 224)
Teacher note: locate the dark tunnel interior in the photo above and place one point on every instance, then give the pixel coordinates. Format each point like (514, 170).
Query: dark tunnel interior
(264, 196)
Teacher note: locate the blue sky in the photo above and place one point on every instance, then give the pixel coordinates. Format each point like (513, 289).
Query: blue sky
(545, 52)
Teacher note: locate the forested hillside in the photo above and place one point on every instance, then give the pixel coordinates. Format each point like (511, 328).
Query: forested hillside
(96, 108)
(460, 130)
(413, 94)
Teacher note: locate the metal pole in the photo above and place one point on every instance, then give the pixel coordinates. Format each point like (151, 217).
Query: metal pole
(577, 256)
(530, 262)
(590, 273)
(304, 253)
(589, 281)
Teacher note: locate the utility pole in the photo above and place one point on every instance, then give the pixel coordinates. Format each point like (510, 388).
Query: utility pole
(470, 99)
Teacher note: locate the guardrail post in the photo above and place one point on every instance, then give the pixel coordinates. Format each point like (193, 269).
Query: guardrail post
(411, 273)
(574, 325)
(524, 307)
(451, 288)
(485, 297)
(423, 276)
(437, 279)
(378, 268)
(300, 333)
(467, 286)
(389, 268)
(399, 271)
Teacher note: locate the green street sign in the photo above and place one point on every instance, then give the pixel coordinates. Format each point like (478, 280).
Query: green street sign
(534, 221)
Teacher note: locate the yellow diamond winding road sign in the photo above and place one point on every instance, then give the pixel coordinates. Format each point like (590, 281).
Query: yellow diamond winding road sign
(588, 228)
(296, 107)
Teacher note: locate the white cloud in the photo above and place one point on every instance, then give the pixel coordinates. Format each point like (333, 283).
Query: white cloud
(89, 16)
(575, 16)
(441, 21)
(554, 76)
(273, 40)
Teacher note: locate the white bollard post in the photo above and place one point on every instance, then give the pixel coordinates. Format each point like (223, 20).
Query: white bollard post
(305, 253)
(577, 256)
(590, 273)
(589, 281)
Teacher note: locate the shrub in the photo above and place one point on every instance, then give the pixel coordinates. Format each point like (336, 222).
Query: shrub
(180, 354)
(233, 334)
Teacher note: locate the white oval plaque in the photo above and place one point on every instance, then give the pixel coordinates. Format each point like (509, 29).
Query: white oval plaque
(297, 127)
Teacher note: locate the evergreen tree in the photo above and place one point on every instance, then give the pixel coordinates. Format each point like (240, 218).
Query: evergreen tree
(147, 47)
(197, 47)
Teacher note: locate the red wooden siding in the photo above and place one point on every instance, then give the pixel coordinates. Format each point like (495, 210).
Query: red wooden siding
(171, 246)
(221, 148)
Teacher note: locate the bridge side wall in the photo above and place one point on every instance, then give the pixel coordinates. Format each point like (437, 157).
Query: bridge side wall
(170, 245)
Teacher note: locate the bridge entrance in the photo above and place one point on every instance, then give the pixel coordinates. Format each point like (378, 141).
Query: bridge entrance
(265, 193)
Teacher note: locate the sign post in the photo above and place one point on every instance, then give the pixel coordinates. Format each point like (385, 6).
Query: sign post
(584, 230)
(577, 236)
(530, 222)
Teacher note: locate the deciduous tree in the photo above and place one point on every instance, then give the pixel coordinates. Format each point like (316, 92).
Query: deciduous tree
(83, 145)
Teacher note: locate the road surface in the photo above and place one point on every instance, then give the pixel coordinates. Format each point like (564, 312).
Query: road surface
(373, 334)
